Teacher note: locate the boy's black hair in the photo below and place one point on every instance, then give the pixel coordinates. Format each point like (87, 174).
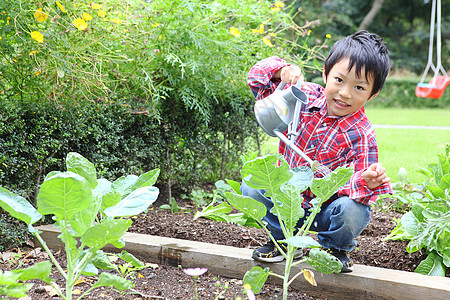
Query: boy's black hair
(365, 50)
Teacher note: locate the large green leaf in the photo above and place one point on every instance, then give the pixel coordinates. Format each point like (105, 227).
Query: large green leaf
(236, 186)
(432, 265)
(107, 232)
(324, 188)
(247, 205)
(445, 182)
(323, 261)
(63, 195)
(302, 177)
(124, 185)
(436, 192)
(256, 278)
(302, 242)
(81, 166)
(107, 279)
(41, 271)
(289, 204)
(105, 192)
(133, 204)
(147, 179)
(410, 224)
(83, 220)
(18, 207)
(264, 173)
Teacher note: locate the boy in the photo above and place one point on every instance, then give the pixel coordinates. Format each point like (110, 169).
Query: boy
(334, 130)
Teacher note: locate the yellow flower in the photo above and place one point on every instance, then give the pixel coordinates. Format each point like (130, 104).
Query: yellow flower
(80, 24)
(260, 30)
(0, 38)
(328, 36)
(36, 35)
(101, 13)
(279, 4)
(37, 73)
(267, 42)
(272, 34)
(309, 32)
(96, 6)
(33, 52)
(116, 20)
(275, 8)
(86, 16)
(7, 20)
(61, 7)
(235, 32)
(40, 16)
(156, 25)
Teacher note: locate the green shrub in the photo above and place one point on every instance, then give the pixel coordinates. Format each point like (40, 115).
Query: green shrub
(13, 233)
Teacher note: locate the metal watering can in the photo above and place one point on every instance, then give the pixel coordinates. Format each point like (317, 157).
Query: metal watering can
(280, 110)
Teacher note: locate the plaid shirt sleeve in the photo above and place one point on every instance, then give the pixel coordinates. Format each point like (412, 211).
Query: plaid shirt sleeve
(365, 153)
(260, 76)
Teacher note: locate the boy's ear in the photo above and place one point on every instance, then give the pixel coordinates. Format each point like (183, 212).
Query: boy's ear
(324, 76)
(373, 96)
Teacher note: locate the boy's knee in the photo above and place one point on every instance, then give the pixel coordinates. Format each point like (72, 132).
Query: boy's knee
(352, 212)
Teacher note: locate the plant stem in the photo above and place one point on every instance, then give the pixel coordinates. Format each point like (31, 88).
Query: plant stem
(53, 259)
(195, 287)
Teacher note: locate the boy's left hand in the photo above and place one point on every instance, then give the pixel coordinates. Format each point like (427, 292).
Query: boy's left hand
(375, 176)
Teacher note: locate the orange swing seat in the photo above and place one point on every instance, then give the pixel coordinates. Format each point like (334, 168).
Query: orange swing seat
(435, 89)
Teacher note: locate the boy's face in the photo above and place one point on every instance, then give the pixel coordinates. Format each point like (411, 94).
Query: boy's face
(345, 93)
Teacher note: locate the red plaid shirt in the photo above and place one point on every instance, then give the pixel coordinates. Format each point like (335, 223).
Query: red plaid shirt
(332, 141)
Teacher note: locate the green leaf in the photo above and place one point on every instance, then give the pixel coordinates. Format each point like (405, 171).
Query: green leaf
(18, 207)
(445, 182)
(432, 265)
(247, 205)
(324, 188)
(410, 224)
(323, 261)
(124, 185)
(16, 291)
(130, 258)
(264, 173)
(289, 204)
(81, 166)
(84, 219)
(41, 271)
(107, 279)
(302, 177)
(109, 231)
(63, 195)
(302, 242)
(236, 186)
(436, 192)
(102, 261)
(133, 204)
(256, 278)
(210, 210)
(147, 179)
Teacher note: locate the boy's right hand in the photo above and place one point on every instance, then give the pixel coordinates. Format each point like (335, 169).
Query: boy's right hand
(289, 74)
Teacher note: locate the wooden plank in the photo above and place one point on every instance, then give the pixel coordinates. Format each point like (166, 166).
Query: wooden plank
(363, 283)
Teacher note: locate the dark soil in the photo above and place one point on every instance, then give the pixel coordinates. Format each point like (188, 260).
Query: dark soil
(170, 282)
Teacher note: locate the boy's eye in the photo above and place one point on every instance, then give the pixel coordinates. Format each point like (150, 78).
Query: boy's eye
(338, 79)
(359, 88)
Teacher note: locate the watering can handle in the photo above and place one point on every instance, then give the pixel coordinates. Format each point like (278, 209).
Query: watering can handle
(282, 85)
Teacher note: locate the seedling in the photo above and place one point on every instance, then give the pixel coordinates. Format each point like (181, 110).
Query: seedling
(284, 186)
(90, 212)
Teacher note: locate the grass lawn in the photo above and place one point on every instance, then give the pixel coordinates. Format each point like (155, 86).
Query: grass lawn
(412, 149)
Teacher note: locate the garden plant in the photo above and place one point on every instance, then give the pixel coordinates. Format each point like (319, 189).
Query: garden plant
(427, 224)
(272, 173)
(90, 213)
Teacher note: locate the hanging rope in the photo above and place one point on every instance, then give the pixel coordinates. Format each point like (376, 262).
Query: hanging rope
(435, 88)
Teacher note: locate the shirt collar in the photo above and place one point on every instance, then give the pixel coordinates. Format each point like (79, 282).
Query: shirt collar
(345, 122)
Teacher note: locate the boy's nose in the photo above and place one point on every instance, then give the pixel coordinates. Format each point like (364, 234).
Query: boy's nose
(344, 92)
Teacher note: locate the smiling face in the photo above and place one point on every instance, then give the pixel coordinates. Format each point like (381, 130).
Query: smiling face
(344, 91)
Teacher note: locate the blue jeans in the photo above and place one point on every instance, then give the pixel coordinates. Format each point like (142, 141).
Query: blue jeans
(338, 223)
